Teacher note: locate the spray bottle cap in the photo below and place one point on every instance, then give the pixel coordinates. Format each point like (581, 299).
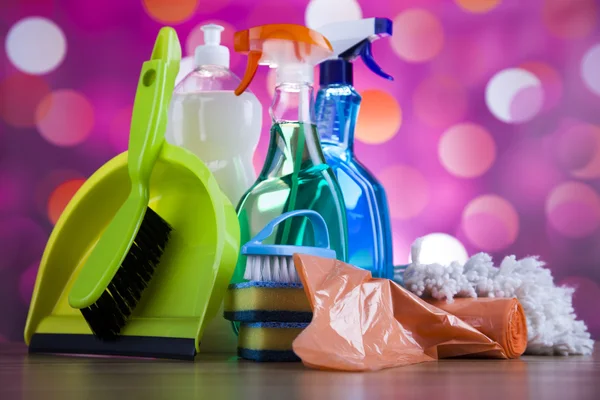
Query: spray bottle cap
(292, 49)
(212, 52)
(351, 39)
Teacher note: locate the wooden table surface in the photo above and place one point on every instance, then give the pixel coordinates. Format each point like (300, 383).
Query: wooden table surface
(216, 377)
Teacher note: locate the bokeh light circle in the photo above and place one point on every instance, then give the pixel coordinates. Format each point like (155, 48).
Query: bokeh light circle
(27, 282)
(440, 101)
(418, 35)
(61, 196)
(170, 11)
(380, 117)
(586, 299)
(514, 95)
(36, 45)
(478, 6)
(490, 222)
(407, 191)
(467, 150)
(441, 248)
(25, 93)
(570, 19)
(48, 183)
(550, 79)
(578, 150)
(65, 117)
(590, 65)
(591, 170)
(323, 12)
(573, 209)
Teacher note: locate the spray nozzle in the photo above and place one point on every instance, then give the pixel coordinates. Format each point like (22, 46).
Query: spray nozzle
(353, 39)
(292, 49)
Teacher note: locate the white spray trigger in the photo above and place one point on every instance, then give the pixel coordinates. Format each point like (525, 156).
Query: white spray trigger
(212, 52)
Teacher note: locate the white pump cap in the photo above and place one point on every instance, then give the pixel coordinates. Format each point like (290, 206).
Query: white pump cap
(212, 52)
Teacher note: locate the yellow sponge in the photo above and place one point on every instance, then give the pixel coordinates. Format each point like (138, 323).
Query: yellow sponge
(267, 302)
(268, 341)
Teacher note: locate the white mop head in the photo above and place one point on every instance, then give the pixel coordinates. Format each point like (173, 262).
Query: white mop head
(552, 326)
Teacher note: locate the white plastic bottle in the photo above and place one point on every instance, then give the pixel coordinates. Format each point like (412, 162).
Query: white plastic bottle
(207, 118)
(222, 129)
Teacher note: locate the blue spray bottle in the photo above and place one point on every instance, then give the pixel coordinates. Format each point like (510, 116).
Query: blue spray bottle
(336, 111)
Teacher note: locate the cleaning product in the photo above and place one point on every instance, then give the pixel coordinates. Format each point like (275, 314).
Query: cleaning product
(267, 302)
(502, 320)
(269, 341)
(207, 118)
(527, 279)
(121, 264)
(273, 292)
(295, 175)
(187, 288)
(274, 263)
(336, 110)
(222, 129)
(273, 298)
(361, 323)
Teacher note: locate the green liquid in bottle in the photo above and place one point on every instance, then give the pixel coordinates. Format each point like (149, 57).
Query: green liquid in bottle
(294, 177)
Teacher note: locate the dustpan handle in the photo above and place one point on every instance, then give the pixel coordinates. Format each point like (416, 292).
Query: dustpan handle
(317, 221)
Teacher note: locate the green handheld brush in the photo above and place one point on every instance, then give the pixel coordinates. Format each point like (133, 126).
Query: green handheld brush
(122, 263)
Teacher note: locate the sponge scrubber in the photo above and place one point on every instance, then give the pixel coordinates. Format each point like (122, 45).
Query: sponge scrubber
(267, 302)
(268, 341)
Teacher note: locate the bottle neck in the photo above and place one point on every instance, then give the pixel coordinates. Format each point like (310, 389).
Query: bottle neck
(295, 144)
(292, 102)
(336, 112)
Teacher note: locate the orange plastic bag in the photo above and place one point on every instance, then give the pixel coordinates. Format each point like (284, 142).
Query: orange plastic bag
(361, 323)
(502, 320)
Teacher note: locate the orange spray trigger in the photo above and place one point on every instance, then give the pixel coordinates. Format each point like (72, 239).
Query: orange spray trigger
(282, 46)
(251, 68)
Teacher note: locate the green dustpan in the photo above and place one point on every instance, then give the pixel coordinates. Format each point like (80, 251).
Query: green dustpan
(189, 284)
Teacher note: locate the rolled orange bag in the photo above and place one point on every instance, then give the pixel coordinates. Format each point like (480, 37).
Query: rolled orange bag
(364, 324)
(502, 320)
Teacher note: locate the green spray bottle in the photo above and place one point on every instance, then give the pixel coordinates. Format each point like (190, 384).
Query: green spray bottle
(295, 175)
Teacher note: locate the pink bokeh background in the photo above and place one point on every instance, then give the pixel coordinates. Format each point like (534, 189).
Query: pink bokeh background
(490, 131)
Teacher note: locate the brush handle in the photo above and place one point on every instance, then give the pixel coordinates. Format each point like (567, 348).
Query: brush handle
(149, 119)
(317, 221)
(152, 98)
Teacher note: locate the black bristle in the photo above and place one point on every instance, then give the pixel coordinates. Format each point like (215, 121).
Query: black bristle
(108, 315)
